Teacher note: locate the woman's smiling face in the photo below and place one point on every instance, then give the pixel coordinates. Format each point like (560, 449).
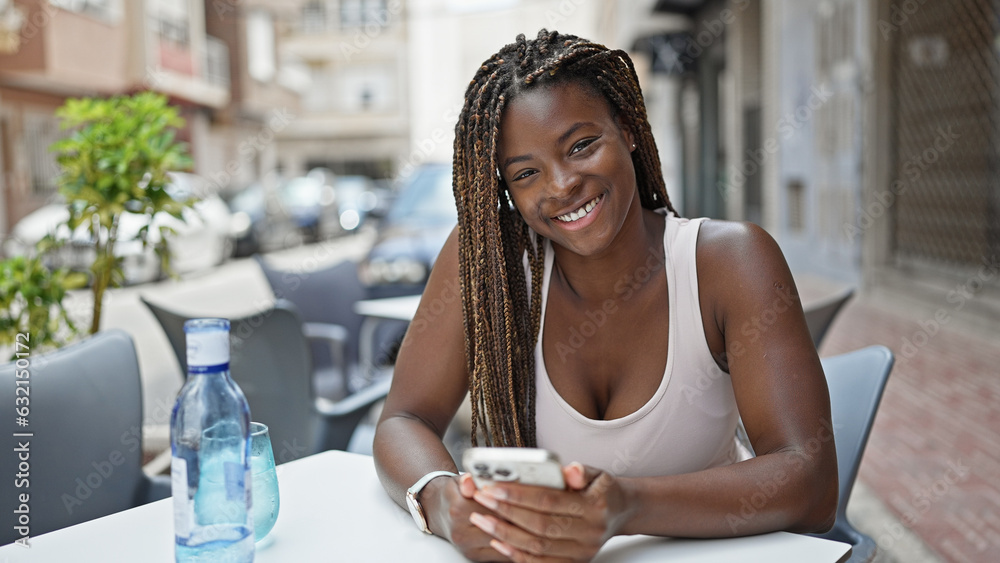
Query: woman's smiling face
(567, 163)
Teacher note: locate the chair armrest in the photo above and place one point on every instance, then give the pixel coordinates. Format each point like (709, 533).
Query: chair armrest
(357, 401)
(157, 487)
(341, 418)
(336, 337)
(326, 331)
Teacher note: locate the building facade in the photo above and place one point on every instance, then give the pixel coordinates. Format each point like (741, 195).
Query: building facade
(69, 49)
(862, 134)
(265, 92)
(355, 114)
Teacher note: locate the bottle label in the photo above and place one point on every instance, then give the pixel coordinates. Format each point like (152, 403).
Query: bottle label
(207, 351)
(248, 490)
(182, 502)
(236, 485)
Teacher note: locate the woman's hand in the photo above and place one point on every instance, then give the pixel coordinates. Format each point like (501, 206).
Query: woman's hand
(530, 523)
(449, 508)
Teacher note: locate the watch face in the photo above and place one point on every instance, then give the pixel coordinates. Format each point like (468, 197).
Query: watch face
(416, 512)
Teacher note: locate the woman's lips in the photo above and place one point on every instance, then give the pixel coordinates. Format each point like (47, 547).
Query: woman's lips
(582, 216)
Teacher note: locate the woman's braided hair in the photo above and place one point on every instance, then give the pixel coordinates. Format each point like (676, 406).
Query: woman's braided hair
(501, 320)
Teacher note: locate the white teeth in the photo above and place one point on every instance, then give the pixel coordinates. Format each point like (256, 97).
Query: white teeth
(580, 213)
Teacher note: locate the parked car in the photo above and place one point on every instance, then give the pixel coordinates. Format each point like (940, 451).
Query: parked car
(261, 223)
(385, 195)
(411, 235)
(312, 203)
(356, 199)
(204, 239)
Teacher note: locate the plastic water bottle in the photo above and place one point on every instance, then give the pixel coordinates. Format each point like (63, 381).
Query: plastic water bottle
(210, 446)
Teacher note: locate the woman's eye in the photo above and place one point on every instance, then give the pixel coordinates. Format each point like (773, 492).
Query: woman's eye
(523, 175)
(582, 145)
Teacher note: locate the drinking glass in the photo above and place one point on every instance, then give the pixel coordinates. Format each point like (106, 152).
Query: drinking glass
(265, 481)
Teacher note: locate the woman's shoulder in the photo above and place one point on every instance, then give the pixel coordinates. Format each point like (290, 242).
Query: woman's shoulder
(734, 241)
(736, 256)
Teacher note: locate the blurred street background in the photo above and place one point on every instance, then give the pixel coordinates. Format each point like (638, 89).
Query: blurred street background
(864, 135)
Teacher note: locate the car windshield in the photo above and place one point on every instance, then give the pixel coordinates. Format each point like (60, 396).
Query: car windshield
(251, 198)
(354, 184)
(350, 188)
(301, 191)
(428, 197)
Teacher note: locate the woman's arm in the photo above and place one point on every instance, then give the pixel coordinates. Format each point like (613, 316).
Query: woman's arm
(752, 314)
(429, 383)
(748, 290)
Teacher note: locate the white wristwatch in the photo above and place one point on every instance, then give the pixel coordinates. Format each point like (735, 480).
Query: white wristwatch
(413, 504)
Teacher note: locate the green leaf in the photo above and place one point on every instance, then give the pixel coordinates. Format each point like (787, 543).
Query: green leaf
(75, 280)
(116, 156)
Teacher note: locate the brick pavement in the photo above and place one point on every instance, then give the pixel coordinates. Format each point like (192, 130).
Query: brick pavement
(934, 454)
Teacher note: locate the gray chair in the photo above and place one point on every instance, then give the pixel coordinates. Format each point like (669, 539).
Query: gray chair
(325, 298)
(85, 454)
(820, 315)
(856, 381)
(271, 363)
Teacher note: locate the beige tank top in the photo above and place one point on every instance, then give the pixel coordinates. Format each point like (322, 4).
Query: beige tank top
(689, 423)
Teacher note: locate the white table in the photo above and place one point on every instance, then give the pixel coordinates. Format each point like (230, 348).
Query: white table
(373, 311)
(333, 508)
(396, 308)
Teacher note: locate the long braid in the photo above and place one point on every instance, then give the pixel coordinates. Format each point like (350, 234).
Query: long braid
(501, 320)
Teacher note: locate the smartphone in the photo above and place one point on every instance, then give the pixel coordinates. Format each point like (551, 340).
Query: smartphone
(530, 466)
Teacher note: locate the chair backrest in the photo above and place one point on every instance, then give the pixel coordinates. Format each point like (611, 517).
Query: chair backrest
(84, 457)
(856, 381)
(327, 296)
(819, 316)
(269, 360)
(172, 324)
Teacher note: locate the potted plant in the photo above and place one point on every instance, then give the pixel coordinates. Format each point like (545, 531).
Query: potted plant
(31, 298)
(116, 161)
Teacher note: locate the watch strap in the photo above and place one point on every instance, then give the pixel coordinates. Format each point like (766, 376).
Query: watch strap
(422, 482)
(413, 491)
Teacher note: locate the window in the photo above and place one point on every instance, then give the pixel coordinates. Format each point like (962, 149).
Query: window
(314, 17)
(366, 89)
(261, 61)
(174, 30)
(40, 131)
(172, 20)
(352, 90)
(107, 10)
(357, 13)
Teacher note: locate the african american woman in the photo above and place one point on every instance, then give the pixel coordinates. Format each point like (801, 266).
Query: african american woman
(597, 323)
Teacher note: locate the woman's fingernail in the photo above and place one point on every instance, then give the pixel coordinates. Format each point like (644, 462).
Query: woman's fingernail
(502, 548)
(496, 493)
(486, 500)
(482, 522)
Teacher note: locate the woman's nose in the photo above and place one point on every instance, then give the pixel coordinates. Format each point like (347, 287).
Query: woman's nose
(565, 181)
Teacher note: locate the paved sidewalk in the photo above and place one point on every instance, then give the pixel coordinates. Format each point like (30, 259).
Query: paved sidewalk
(931, 472)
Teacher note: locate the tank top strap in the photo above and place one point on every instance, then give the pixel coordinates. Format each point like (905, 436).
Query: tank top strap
(680, 243)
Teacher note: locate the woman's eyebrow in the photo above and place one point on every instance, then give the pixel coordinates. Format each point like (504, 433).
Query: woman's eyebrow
(571, 130)
(515, 159)
(562, 139)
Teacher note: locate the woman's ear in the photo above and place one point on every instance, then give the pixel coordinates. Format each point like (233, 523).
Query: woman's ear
(627, 134)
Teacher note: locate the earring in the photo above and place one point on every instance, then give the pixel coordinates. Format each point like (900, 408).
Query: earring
(633, 146)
